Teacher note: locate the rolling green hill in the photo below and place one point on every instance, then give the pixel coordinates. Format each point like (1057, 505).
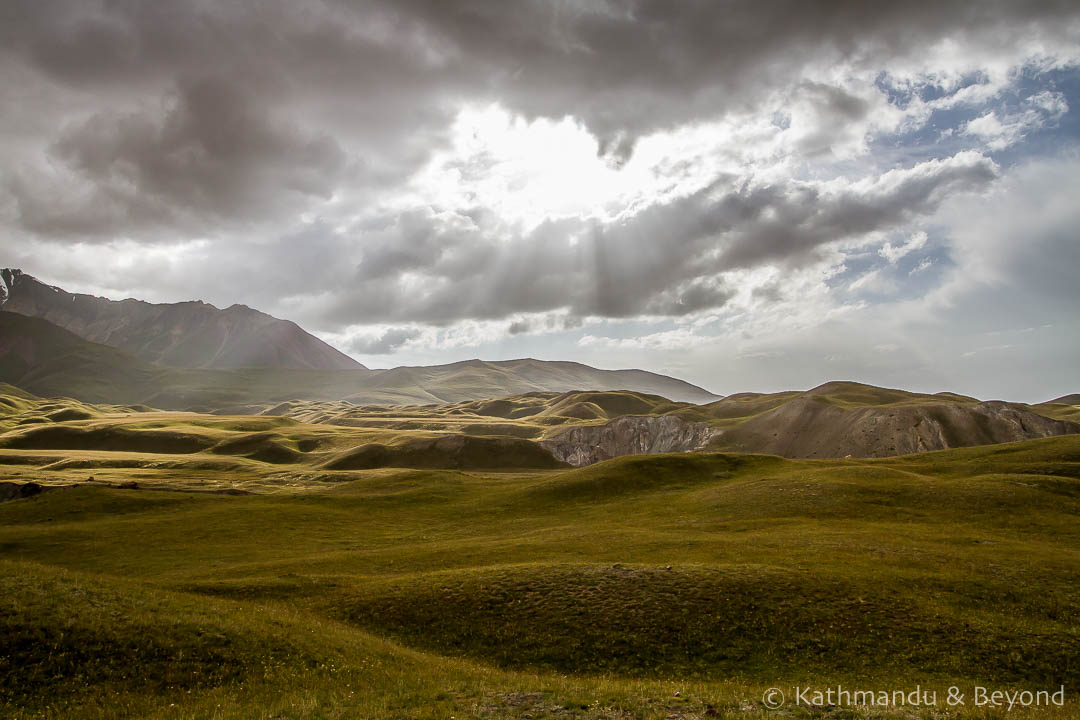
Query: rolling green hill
(598, 592)
(1063, 408)
(834, 420)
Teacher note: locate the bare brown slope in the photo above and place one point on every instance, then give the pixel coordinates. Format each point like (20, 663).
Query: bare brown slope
(882, 423)
(186, 335)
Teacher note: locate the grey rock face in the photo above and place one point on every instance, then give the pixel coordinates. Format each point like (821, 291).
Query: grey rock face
(627, 435)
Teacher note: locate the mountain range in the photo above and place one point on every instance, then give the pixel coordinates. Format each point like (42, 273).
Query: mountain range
(186, 334)
(238, 361)
(46, 359)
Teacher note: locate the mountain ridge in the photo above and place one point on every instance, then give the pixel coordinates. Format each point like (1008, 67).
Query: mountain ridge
(188, 334)
(48, 360)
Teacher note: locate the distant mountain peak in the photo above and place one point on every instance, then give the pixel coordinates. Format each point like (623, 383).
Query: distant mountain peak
(191, 334)
(10, 277)
(7, 279)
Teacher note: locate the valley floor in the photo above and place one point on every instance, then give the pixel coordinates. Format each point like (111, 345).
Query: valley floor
(139, 583)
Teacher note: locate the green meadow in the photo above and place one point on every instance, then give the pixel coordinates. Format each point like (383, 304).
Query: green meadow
(191, 566)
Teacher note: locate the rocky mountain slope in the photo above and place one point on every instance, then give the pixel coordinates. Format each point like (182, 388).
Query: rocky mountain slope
(187, 334)
(49, 361)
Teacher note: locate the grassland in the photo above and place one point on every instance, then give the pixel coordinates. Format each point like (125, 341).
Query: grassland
(184, 566)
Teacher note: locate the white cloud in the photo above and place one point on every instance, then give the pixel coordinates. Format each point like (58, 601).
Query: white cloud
(924, 264)
(667, 340)
(893, 254)
(1000, 130)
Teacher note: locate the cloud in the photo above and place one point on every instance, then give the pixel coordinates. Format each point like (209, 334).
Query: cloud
(784, 223)
(629, 68)
(828, 119)
(668, 260)
(924, 264)
(210, 155)
(381, 343)
(677, 259)
(422, 176)
(893, 253)
(159, 138)
(678, 339)
(1000, 130)
(1017, 244)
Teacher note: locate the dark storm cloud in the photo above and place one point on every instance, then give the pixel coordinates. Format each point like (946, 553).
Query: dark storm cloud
(210, 155)
(629, 67)
(372, 76)
(230, 119)
(196, 113)
(786, 224)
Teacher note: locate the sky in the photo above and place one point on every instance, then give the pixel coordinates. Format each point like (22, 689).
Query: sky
(749, 195)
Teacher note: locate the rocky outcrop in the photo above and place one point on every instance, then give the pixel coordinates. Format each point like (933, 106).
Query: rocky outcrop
(628, 435)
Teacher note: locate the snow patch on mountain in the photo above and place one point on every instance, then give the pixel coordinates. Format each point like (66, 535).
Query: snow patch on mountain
(7, 282)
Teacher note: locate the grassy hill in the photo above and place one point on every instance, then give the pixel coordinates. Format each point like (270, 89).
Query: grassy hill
(190, 565)
(1066, 407)
(839, 419)
(834, 420)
